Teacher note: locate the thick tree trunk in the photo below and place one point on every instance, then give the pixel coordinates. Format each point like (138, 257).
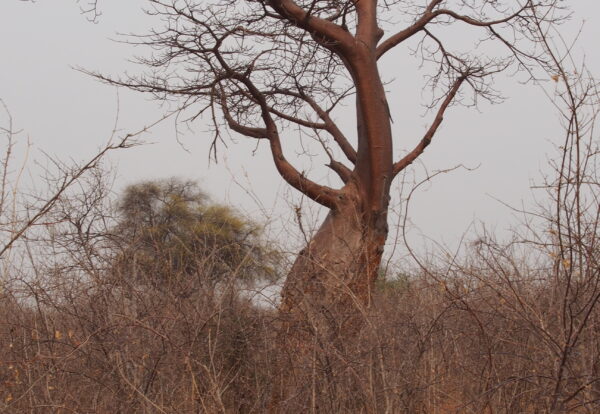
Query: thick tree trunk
(330, 283)
(323, 309)
(328, 289)
(331, 280)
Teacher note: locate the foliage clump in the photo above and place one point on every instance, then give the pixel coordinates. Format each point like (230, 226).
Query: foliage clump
(169, 230)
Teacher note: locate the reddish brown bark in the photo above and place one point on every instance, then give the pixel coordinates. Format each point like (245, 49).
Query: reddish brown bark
(330, 282)
(325, 299)
(333, 276)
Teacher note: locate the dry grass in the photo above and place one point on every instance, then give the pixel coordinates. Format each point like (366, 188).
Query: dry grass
(433, 343)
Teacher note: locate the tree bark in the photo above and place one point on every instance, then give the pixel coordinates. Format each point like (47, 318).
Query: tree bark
(328, 290)
(330, 283)
(324, 303)
(329, 286)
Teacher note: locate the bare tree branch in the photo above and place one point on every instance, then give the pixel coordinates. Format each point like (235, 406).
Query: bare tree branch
(426, 140)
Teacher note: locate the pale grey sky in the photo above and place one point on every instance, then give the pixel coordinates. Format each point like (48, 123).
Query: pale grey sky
(70, 115)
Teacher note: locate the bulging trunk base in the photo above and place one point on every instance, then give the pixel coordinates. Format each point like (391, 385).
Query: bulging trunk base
(324, 305)
(331, 278)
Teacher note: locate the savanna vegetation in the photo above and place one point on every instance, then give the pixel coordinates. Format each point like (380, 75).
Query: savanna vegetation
(155, 300)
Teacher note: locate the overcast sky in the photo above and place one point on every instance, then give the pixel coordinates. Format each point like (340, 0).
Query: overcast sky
(71, 115)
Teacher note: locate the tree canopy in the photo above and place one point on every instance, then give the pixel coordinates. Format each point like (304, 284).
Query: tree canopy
(261, 67)
(169, 230)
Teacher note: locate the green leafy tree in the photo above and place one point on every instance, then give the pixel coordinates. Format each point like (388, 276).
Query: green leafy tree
(168, 230)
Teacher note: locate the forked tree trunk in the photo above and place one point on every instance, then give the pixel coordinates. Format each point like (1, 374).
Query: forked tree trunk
(332, 278)
(328, 289)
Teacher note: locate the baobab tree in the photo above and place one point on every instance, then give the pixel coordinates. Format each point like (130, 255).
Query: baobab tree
(262, 67)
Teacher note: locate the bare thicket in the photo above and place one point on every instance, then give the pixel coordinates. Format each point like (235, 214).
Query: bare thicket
(151, 303)
(93, 326)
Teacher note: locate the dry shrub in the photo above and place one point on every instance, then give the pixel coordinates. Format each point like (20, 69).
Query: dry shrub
(116, 348)
(507, 329)
(482, 337)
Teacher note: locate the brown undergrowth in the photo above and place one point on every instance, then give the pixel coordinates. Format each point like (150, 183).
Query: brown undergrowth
(432, 343)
